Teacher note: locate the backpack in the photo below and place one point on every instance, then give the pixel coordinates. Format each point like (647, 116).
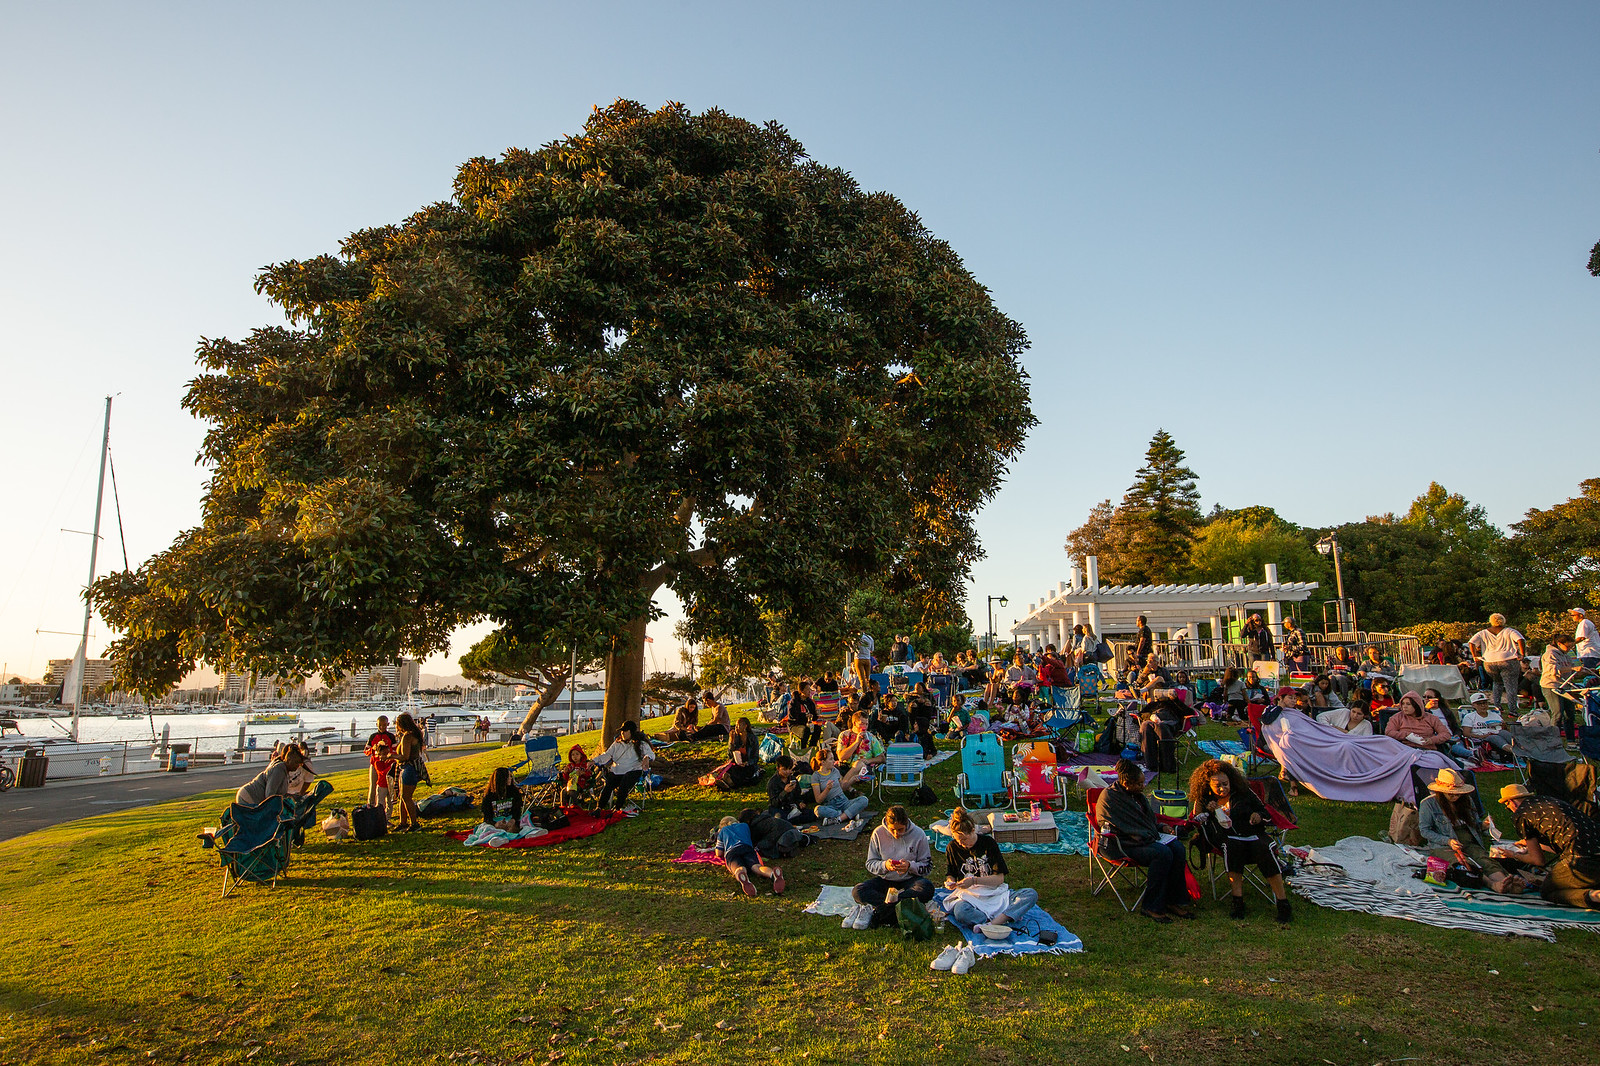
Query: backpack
(1403, 827)
(925, 795)
(1102, 652)
(915, 921)
(771, 748)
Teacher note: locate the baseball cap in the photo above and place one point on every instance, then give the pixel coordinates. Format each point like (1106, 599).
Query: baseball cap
(1478, 697)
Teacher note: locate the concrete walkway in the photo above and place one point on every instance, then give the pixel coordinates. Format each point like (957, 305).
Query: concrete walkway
(23, 810)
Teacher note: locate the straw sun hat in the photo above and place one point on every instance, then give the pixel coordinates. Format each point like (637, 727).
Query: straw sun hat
(1450, 783)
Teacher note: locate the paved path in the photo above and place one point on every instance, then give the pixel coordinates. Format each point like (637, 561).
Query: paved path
(23, 810)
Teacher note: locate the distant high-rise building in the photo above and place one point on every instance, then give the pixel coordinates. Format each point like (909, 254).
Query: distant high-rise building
(388, 681)
(96, 673)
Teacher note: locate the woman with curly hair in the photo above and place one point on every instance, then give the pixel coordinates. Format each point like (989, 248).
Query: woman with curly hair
(1234, 822)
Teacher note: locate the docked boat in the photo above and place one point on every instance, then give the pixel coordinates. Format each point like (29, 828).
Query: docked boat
(273, 718)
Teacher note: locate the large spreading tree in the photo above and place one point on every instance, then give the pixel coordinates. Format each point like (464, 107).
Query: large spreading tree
(670, 351)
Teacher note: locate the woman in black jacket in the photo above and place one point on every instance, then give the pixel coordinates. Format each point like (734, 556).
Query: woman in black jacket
(1235, 823)
(743, 754)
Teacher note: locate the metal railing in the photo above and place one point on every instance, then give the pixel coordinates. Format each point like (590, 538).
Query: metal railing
(1206, 658)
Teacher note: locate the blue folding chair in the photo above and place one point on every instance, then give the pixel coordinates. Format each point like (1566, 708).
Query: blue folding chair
(943, 687)
(983, 775)
(542, 757)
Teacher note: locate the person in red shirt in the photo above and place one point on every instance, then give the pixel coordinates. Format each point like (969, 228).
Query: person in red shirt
(376, 778)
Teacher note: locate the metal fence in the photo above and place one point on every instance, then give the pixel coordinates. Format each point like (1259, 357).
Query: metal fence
(1207, 658)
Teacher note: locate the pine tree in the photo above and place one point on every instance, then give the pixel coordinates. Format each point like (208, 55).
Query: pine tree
(1154, 527)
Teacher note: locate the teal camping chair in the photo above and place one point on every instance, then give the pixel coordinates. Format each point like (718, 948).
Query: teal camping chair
(254, 843)
(983, 774)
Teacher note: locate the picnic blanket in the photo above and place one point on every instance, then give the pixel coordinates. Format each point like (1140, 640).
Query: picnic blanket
(1025, 941)
(1529, 908)
(694, 853)
(833, 901)
(1374, 877)
(1487, 767)
(1216, 749)
(583, 824)
(940, 757)
(1072, 830)
(837, 831)
(1338, 766)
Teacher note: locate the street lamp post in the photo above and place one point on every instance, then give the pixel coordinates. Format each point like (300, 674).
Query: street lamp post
(1329, 545)
(1001, 600)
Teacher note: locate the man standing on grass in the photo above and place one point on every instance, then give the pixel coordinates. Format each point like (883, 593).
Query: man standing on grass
(863, 661)
(1500, 651)
(1145, 644)
(374, 756)
(1586, 638)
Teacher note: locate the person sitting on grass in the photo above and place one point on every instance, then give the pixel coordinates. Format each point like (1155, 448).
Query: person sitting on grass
(801, 717)
(686, 722)
(1451, 830)
(720, 725)
(1234, 822)
(827, 788)
(786, 797)
(975, 873)
(743, 754)
(577, 777)
(625, 762)
(1124, 811)
(893, 723)
(898, 858)
(502, 802)
(737, 850)
(1556, 836)
(858, 744)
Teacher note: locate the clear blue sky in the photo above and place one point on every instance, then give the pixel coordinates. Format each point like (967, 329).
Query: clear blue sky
(1337, 254)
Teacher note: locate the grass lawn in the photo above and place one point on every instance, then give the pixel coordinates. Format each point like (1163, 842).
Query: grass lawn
(415, 949)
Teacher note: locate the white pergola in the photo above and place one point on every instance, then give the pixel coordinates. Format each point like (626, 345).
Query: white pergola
(1112, 610)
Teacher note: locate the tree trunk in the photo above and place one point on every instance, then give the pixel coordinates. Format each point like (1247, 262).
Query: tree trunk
(554, 684)
(624, 679)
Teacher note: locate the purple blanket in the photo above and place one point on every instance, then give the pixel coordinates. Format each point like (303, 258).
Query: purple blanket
(1338, 766)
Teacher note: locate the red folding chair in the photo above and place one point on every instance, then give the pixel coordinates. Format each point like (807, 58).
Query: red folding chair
(1106, 866)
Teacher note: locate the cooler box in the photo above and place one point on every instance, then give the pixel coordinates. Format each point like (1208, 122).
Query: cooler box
(177, 758)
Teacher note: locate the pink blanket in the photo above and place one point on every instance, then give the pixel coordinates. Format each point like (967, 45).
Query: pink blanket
(695, 854)
(1338, 766)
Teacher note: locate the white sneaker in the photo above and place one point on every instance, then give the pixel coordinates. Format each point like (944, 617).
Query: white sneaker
(964, 960)
(864, 919)
(946, 958)
(850, 917)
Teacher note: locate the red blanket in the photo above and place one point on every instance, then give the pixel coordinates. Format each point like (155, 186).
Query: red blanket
(583, 824)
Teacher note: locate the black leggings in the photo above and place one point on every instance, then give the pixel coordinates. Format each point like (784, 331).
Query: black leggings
(621, 785)
(873, 890)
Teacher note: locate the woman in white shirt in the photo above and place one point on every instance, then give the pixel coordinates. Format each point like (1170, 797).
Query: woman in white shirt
(625, 762)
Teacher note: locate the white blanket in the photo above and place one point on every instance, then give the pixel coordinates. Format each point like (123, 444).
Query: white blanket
(991, 901)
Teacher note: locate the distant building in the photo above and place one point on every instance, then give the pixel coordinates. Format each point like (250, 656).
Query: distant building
(237, 688)
(96, 674)
(388, 681)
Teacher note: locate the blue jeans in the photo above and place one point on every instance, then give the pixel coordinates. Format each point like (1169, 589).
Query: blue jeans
(850, 809)
(1505, 677)
(1021, 900)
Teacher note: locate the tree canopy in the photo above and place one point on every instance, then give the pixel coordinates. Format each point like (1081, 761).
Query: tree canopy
(670, 350)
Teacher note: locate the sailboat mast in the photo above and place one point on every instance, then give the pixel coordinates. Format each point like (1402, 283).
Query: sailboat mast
(88, 598)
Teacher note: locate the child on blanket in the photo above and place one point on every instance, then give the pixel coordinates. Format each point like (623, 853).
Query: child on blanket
(975, 873)
(502, 803)
(737, 850)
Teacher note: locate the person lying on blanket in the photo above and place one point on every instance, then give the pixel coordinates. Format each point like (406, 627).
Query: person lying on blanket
(1234, 821)
(502, 802)
(1124, 811)
(1555, 835)
(827, 788)
(975, 873)
(737, 850)
(1452, 831)
(898, 858)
